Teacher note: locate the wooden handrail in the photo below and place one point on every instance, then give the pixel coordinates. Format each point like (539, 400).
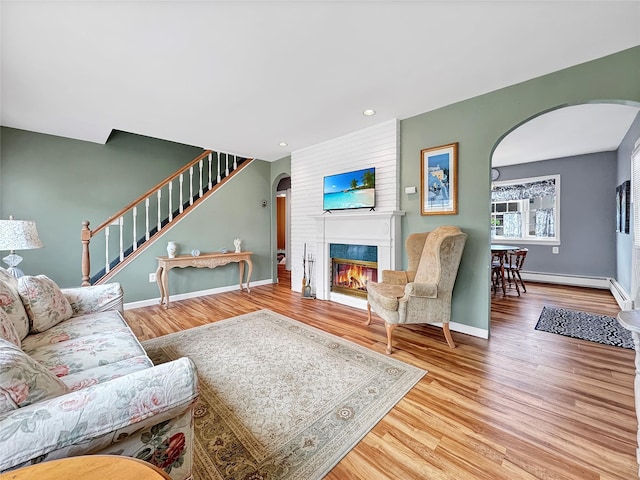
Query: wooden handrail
(204, 190)
(142, 247)
(149, 192)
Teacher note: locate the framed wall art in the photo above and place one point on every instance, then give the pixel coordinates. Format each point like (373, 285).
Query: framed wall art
(623, 206)
(439, 180)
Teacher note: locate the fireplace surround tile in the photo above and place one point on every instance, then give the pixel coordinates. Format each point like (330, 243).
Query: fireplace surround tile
(366, 253)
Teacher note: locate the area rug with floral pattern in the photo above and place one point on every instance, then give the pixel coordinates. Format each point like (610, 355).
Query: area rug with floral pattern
(280, 399)
(586, 326)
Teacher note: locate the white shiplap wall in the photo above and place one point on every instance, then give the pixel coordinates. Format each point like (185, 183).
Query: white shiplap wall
(375, 146)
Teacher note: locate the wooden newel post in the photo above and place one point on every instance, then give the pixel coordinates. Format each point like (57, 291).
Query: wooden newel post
(85, 236)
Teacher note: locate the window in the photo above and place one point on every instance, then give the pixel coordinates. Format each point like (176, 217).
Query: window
(526, 210)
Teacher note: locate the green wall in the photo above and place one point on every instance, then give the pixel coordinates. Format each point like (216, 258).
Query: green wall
(478, 124)
(60, 182)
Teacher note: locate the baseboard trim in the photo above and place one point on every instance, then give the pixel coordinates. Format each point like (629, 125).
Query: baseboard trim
(574, 280)
(466, 329)
(199, 293)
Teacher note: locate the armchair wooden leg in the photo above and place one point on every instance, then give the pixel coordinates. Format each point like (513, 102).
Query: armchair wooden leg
(368, 322)
(447, 335)
(390, 328)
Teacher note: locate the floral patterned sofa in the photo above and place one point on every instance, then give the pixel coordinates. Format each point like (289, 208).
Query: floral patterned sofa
(74, 380)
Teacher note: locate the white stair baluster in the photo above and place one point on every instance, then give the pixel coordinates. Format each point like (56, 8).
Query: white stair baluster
(135, 229)
(121, 225)
(170, 201)
(235, 162)
(200, 192)
(181, 197)
(191, 186)
(218, 162)
(159, 210)
(146, 220)
(209, 184)
(226, 162)
(106, 250)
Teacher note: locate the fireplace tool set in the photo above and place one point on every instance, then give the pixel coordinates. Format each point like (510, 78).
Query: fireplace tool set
(306, 284)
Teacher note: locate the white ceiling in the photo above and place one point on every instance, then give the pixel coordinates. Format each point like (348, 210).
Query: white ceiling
(241, 76)
(567, 131)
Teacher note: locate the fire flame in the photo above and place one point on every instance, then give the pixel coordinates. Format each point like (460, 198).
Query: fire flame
(354, 276)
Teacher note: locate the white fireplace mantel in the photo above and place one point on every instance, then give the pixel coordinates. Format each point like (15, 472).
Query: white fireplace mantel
(380, 229)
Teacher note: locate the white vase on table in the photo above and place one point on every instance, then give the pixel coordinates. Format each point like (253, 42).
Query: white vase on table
(171, 249)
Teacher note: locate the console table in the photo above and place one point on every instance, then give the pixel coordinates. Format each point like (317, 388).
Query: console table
(630, 319)
(207, 260)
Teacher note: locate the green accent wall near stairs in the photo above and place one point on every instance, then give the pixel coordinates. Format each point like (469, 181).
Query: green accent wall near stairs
(60, 182)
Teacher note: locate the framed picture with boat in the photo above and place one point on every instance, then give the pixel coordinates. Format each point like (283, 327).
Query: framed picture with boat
(439, 180)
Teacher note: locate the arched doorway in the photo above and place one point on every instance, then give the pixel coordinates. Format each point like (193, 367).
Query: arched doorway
(582, 144)
(283, 226)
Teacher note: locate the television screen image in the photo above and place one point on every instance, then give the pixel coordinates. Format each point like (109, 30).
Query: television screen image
(355, 189)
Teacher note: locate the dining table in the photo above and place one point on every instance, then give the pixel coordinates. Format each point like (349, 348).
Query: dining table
(500, 251)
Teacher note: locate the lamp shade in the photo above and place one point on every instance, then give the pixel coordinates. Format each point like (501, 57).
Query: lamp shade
(18, 235)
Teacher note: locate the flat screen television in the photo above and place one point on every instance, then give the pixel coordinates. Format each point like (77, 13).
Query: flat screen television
(355, 189)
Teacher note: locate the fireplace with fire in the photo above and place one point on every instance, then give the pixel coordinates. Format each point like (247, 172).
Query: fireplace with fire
(350, 277)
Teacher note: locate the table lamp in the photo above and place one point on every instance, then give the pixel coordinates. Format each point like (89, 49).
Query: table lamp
(17, 235)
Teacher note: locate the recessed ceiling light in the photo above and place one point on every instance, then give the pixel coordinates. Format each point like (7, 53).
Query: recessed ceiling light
(283, 144)
(368, 112)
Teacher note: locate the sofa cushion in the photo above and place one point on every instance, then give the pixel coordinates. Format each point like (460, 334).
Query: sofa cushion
(104, 373)
(7, 330)
(24, 381)
(386, 295)
(44, 302)
(87, 352)
(76, 327)
(11, 303)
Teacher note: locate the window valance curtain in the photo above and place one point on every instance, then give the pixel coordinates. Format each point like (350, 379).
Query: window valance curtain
(542, 188)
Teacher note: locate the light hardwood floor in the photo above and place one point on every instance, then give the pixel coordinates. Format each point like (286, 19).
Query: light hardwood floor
(522, 405)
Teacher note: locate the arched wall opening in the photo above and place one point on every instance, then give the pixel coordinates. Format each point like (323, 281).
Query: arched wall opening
(588, 146)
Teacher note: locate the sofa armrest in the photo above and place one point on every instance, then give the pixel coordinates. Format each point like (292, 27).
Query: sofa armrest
(78, 417)
(95, 298)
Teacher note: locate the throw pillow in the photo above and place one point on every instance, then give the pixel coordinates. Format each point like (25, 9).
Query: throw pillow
(45, 303)
(24, 381)
(11, 304)
(7, 330)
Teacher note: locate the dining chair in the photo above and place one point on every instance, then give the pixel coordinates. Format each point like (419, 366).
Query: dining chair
(497, 262)
(513, 265)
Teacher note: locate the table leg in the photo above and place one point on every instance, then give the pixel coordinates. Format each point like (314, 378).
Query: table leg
(250, 263)
(159, 282)
(165, 286)
(241, 270)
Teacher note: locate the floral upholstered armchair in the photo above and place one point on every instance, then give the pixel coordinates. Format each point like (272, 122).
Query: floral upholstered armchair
(422, 293)
(74, 380)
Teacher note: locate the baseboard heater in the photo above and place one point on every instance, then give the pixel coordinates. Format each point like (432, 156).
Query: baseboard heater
(620, 294)
(563, 279)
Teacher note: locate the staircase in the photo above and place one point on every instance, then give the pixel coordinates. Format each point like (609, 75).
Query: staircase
(139, 224)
